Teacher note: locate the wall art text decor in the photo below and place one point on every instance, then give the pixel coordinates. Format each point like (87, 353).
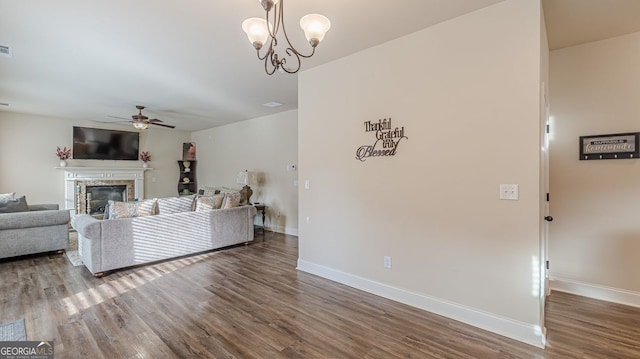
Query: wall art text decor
(610, 147)
(386, 141)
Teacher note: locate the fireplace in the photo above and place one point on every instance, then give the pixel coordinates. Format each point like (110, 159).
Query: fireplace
(98, 197)
(102, 185)
(92, 196)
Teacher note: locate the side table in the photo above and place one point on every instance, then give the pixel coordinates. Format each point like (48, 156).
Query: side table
(261, 208)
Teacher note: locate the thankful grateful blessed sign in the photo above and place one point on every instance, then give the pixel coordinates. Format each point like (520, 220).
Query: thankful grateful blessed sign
(386, 140)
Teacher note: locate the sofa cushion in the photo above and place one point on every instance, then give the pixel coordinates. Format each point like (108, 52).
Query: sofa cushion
(175, 204)
(17, 205)
(130, 209)
(44, 207)
(207, 203)
(29, 219)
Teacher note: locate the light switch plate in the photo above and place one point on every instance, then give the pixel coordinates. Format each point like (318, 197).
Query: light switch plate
(509, 192)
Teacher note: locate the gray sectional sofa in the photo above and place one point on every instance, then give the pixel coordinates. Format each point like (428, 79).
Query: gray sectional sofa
(43, 228)
(106, 245)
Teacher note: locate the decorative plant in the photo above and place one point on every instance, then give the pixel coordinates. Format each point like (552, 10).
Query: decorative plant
(145, 156)
(63, 154)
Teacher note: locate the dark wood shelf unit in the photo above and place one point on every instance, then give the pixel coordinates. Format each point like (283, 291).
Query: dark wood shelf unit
(188, 186)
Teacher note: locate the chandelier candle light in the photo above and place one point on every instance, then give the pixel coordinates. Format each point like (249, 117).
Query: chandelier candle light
(259, 31)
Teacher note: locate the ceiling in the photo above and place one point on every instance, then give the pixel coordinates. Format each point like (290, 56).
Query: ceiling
(575, 22)
(190, 63)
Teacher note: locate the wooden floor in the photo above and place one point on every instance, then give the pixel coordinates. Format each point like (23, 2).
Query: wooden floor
(250, 302)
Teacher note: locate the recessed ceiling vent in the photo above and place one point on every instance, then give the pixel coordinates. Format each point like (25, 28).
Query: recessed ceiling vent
(272, 104)
(5, 50)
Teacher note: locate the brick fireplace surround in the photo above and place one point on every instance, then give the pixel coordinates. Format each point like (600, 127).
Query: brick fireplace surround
(80, 177)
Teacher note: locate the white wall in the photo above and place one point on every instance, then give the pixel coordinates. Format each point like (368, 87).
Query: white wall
(467, 92)
(595, 235)
(265, 145)
(27, 156)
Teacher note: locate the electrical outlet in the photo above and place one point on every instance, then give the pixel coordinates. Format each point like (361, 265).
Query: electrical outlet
(308, 220)
(387, 262)
(307, 184)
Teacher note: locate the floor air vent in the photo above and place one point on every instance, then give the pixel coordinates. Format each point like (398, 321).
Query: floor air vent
(5, 50)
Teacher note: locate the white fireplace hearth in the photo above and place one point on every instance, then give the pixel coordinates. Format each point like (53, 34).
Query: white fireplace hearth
(76, 180)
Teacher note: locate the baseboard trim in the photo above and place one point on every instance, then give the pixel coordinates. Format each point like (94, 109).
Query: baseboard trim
(286, 230)
(524, 332)
(609, 294)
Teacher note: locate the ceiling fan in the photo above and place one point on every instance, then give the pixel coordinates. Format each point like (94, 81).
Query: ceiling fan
(142, 122)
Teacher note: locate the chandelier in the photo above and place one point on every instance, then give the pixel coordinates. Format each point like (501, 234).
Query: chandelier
(259, 31)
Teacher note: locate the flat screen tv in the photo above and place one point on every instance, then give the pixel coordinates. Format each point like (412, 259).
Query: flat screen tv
(101, 144)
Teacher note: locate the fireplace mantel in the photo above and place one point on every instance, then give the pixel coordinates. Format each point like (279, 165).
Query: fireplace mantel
(104, 169)
(72, 175)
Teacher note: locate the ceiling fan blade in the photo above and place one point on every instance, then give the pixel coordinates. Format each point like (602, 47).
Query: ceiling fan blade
(116, 122)
(162, 124)
(139, 118)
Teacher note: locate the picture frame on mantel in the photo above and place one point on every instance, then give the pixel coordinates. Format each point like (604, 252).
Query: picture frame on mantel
(616, 146)
(189, 151)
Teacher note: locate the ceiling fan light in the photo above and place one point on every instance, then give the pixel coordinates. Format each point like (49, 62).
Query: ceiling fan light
(256, 30)
(315, 26)
(140, 125)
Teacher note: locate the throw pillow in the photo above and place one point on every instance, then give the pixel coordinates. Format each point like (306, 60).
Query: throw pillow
(207, 203)
(204, 203)
(210, 191)
(148, 207)
(7, 197)
(130, 209)
(106, 211)
(122, 209)
(175, 204)
(17, 205)
(218, 199)
(229, 190)
(231, 200)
